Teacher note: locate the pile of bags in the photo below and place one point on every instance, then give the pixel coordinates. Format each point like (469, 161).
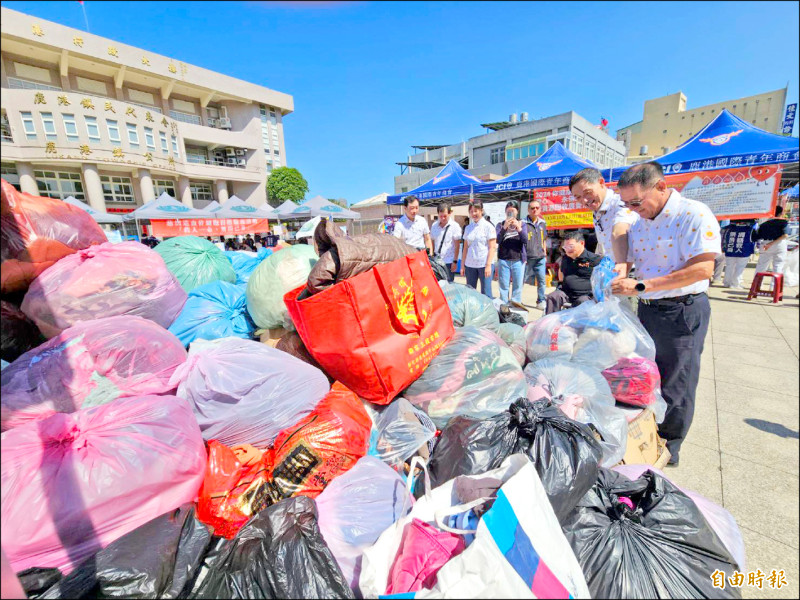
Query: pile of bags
(402, 437)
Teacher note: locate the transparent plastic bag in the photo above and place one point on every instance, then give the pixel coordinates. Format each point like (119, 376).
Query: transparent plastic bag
(91, 363)
(213, 311)
(399, 431)
(469, 307)
(104, 281)
(278, 274)
(475, 375)
(514, 336)
(582, 394)
(245, 392)
(195, 261)
(637, 382)
(244, 264)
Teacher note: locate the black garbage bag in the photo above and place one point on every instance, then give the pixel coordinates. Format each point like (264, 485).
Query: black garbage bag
(565, 452)
(439, 268)
(18, 333)
(279, 553)
(506, 315)
(156, 560)
(646, 539)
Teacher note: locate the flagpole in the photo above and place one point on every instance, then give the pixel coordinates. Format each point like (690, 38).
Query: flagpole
(85, 18)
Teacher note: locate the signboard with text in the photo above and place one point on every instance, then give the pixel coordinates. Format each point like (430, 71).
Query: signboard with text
(560, 209)
(788, 119)
(203, 227)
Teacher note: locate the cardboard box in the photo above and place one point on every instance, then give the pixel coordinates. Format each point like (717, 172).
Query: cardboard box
(644, 446)
(271, 336)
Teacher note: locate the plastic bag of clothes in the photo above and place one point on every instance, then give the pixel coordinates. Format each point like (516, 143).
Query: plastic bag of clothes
(469, 307)
(637, 382)
(91, 363)
(104, 281)
(195, 261)
(74, 483)
(156, 560)
(646, 539)
(356, 508)
(280, 553)
(17, 332)
(273, 278)
(242, 481)
(506, 315)
(514, 337)
(475, 375)
(292, 343)
(583, 395)
(565, 452)
(244, 392)
(399, 432)
(243, 264)
(598, 333)
(212, 311)
(35, 232)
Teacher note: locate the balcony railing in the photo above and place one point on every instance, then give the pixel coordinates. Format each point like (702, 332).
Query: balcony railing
(185, 117)
(202, 160)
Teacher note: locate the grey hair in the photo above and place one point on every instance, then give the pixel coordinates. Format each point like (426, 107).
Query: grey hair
(589, 175)
(644, 175)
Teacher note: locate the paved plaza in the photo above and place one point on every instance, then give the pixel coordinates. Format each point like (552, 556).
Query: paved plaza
(742, 450)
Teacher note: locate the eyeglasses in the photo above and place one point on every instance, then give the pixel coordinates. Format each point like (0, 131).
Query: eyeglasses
(638, 201)
(536, 208)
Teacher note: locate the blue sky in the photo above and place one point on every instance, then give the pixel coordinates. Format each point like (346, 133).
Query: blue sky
(370, 79)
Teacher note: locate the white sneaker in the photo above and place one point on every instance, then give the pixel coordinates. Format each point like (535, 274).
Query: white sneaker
(540, 305)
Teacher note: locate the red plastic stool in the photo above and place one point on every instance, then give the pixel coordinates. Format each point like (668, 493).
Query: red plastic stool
(777, 287)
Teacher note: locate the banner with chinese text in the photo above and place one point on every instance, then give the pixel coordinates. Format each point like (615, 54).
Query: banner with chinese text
(560, 209)
(202, 227)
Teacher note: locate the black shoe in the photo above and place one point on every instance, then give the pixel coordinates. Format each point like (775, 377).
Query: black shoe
(672, 462)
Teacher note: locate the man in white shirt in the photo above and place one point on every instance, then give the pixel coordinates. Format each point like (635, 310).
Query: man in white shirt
(446, 237)
(412, 228)
(673, 246)
(612, 219)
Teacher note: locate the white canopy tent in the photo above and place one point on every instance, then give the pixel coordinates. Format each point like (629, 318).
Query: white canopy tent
(99, 216)
(307, 230)
(165, 207)
(287, 211)
(236, 208)
(212, 206)
(320, 207)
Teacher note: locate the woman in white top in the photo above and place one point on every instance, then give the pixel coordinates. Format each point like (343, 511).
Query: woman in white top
(480, 239)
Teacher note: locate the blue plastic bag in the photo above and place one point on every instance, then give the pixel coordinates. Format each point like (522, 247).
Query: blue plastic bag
(243, 264)
(212, 311)
(264, 252)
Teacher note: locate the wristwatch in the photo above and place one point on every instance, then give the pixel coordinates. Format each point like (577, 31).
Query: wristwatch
(640, 287)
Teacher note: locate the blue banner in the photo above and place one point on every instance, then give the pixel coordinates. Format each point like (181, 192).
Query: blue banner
(788, 120)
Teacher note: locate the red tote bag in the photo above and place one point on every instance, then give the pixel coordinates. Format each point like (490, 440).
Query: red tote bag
(377, 331)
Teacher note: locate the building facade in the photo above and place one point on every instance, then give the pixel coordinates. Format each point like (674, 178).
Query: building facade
(666, 123)
(511, 145)
(115, 126)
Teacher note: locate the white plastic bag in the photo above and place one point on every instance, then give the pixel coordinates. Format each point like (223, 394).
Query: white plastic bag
(470, 307)
(583, 394)
(514, 336)
(245, 392)
(356, 508)
(791, 268)
(399, 431)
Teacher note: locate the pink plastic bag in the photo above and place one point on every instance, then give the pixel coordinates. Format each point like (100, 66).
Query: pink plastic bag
(89, 364)
(104, 281)
(74, 483)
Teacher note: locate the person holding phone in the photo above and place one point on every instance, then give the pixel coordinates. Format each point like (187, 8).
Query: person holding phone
(512, 235)
(480, 239)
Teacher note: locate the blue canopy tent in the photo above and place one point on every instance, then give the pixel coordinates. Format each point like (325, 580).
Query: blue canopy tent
(792, 192)
(452, 180)
(726, 142)
(553, 168)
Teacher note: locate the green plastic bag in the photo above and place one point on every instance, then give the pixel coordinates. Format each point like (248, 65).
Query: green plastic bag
(195, 261)
(275, 276)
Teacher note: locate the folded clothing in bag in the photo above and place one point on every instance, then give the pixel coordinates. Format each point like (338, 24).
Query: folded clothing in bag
(244, 392)
(637, 382)
(400, 430)
(91, 363)
(212, 311)
(104, 281)
(514, 337)
(195, 261)
(475, 374)
(342, 257)
(469, 307)
(35, 232)
(280, 553)
(74, 483)
(565, 452)
(646, 539)
(19, 334)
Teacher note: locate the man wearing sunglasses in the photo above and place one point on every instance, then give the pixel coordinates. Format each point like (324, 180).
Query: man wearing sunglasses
(536, 251)
(673, 245)
(612, 219)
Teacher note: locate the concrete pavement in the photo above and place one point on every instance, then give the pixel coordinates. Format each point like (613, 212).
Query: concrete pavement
(742, 450)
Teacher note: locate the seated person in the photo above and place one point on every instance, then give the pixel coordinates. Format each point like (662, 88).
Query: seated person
(574, 275)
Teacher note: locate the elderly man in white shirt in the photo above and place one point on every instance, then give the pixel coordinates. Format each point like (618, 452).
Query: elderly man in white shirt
(446, 238)
(412, 228)
(612, 219)
(673, 246)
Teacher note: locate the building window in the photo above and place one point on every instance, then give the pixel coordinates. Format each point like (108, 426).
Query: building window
(201, 191)
(666, 114)
(164, 146)
(56, 184)
(92, 130)
(49, 126)
(133, 135)
(164, 185)
(497, 155)
(28, 126)
(15, 83)
(149, 139)
(9, 173)
(117, 189)
(5, 128)
(149, 107)
(197, 156)
(184, 117)
(113, 132)
(175, 146)
(665, 131)
(70, 127)
(712, 111)
(702, 113)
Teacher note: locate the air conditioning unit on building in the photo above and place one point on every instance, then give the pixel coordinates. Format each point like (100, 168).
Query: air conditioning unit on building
(224, 123)
(230, 151)
(239, 152)
(212, 122)
(523, 117)
(643, 151)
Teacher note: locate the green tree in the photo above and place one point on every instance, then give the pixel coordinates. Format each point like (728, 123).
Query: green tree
(338, 201)
(286, 183)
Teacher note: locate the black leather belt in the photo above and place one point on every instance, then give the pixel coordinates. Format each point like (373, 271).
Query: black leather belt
(687, 299)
